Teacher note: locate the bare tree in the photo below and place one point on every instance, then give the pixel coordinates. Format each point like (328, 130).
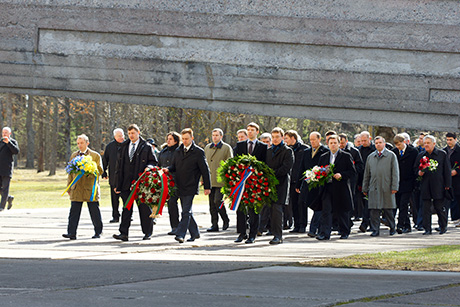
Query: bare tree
(30, 132)
(54, 137)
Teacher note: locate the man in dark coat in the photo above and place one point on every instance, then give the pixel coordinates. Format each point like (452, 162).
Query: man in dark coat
(109, 160)
(406, 158)
(308, 198)
(453, 154)
(280, 158)
(164, 160)
(434, 184)
(366, 148)
(8, 148)
(293, 140)
(256, 148)
(336, 196)
(136, 156)
(189, 163)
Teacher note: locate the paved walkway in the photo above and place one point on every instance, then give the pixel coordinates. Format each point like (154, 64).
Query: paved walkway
(40, 268)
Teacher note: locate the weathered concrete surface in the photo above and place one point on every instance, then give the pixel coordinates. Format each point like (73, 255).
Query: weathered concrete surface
(393, 63)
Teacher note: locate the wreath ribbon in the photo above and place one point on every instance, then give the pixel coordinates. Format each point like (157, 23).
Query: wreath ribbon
(238, 190)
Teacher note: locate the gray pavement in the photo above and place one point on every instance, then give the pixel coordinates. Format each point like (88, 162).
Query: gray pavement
(40, 268)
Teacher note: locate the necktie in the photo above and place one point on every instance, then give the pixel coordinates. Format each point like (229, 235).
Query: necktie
(402, 152)
(380, 154)
(131, 153)
(251, 147)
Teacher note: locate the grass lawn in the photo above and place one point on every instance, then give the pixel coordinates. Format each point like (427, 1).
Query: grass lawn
(436, 258)
(38, 190)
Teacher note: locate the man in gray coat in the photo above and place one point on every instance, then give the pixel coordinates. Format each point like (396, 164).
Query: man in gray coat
(380, 184)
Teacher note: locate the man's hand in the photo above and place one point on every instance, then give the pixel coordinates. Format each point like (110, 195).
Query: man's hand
(337, 176)
(447, 188)
(394, 191)
(6, 140)
(147, 169)
(115, 190)
(165, 170)
(364, 193)
(453, 173)
(207, 191)
(420, 173)
(297, 190)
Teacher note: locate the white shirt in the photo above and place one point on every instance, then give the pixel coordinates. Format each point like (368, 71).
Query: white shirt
(135, 145)
(187, 148)
(333, 156)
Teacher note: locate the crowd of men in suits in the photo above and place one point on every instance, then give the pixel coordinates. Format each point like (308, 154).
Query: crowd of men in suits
(373, 182)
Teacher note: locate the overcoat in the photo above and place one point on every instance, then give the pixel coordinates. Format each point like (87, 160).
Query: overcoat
(110, 160)
(6, 157)
(281, 162)
(214, 154)
(406, 172)
(455, 165)
(381, 176)
(82, 190)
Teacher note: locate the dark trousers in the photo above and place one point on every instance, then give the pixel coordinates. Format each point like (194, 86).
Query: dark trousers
(454, 208)
(375, 218)
(366, 217)
(242, 221)
(358, 204)
(402, 202)
(215, 200)
(115, 199)
(418, 208)
(315, 221)
(173, 211)
(303, 207)
(326, 217)
(440, 209)
(276, 220)
(5, 186)
(74, 216)
(264, 217)
(144, 214)
(294, 203)
(187, 221)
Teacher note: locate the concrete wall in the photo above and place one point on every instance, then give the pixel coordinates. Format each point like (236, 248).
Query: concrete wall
(391, 63)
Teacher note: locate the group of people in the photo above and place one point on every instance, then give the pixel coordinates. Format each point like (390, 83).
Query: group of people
(373, 182)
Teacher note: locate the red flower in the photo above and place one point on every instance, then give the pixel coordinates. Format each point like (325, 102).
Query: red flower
(150, 200)
(232, 167)
(266, 193)
(143, 194)
(227, 175)
(252, 200)
(259, 198)
(142, 200)
(171, 183)
(265, 183)
(155, 175)
(152, 190)
(259, 190)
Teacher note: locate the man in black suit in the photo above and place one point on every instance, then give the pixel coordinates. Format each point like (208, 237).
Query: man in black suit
(453, 154)
(109, 160)
(336, 197)
(294, 141)
(406, 158)
(136, 156)
(280, 159)
(434, 184)
(367, 147)
(256, 148)
(189, 164)
(308, 198)
(8, 148)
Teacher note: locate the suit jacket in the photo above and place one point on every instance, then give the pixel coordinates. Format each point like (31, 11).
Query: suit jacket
(357, 161)
(407, 176)
(6, 157)
(110, 160)
(281, 162)
(434, 183)
(299, 150)
(82, 190)
(128, 171)
(365, 152)
(259, 151)
(189, 167)
(455, 165)
(341, 196)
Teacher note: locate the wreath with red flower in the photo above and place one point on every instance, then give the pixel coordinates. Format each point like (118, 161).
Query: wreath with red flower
(259, 188)
(153, 188)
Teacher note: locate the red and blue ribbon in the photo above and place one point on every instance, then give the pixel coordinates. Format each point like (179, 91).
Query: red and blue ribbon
(238, 190)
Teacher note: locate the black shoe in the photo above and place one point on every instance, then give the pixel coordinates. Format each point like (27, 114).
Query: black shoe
(276, 240)
(226, 225)
(375, 234)
(114, 220)
(321, 237)
(191, 239)
(179, 239)
(362, 228)
(427, 232)
(259, 233)
(302, 230)
(172, 232)
(286, 227)
(96, 236)
(10, 202)
(71, 237)
(311, 234)
(419, 228)
(344, 237)
(443, 230)
(146, 237)
(406, 230)
(392, 232)
(121, 237)
(240, 238)
(295, 230)
(250, 240)
(356, 219)
(437, 229)
(399, 230)
(154, 221)
(269, 233)
(213, 229)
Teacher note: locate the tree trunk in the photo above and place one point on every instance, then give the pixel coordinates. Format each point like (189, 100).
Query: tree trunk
(41, 136)
(47, 133)
(97, 128)
(67, 127)
(30, 133)
(9, 110)
(53, 138)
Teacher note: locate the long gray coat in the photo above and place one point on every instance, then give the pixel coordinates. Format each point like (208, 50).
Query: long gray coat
(381, 176)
